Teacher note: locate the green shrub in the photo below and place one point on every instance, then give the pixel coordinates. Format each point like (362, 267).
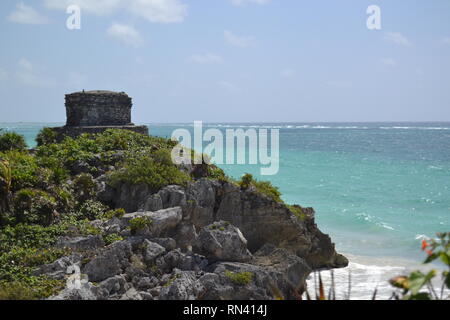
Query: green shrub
(10, 141)
(34, 289)
(34, 206)
(298, 212)
(84, 187)
(239, 278)
(264, 187)
(5, 187)
(216, 173)
(24, 170)
(246, 181)
(29, 236)
(16, 268)
(98, 151)
(145, 169)
(117, 213)
(92, 210)
(16, 291)
(65, 199)
(46, 136)
(139, 223)
(111, 238)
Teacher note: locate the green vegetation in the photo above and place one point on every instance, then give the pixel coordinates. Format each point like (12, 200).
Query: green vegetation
(34, 207)
(51, 192)
(239, 278)
(117, 213)
(156, 171)
(139, 223)
(172, 280)
(5, 186)
(298, 212)
(216, 173)
(46, 136)
(111, 238)
(264, 187)
(12, 141)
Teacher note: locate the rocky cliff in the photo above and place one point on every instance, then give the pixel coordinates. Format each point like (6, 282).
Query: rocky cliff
(209, 240)
(115, 219)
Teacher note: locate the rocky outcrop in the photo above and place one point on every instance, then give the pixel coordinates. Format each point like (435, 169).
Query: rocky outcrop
(223, 242)
(208, 240)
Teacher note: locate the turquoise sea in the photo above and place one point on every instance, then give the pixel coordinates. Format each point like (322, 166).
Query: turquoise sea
(377, 188)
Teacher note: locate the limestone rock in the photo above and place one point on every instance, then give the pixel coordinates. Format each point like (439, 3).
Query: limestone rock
(152, 251)
(113, 286)
(176, 259)
(81, 243)
(58, 269)
(87, 292)
(221, 241)
(167, 243)
(163, 222)
(110, 262)
(182, 285)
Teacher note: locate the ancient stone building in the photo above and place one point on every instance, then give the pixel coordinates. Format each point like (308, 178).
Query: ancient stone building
(96, 111)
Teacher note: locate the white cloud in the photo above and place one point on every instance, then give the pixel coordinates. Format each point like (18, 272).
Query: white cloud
(228, 86)
(237, 41)
(397, 38)
(162, 11)
(98, 7)
(287, 73)
(207, 58)
(389, 62)
(241, 2)
(126, 34)
(29, 75)
(27, 15)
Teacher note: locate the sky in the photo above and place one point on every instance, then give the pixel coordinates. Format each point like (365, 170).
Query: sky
(229, 60)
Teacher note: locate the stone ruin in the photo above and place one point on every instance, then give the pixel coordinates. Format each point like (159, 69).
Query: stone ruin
(97, 111)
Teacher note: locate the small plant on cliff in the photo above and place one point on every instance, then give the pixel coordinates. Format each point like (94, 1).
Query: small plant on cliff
(264, 187)
(117, 213)
(239, 278)
(298, 212)
(92, 210)
(111, 238)
(139, 223)
(46, 136)
(12, 141)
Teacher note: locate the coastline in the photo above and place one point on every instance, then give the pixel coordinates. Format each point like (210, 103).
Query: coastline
(369, 274)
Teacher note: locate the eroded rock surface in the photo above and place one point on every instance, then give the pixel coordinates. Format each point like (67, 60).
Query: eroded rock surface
(209, 240)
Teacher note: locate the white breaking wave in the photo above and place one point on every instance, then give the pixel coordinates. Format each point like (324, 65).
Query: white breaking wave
(367, 275)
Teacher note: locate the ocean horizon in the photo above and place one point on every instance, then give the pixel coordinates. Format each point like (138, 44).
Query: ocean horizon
(378, 188)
